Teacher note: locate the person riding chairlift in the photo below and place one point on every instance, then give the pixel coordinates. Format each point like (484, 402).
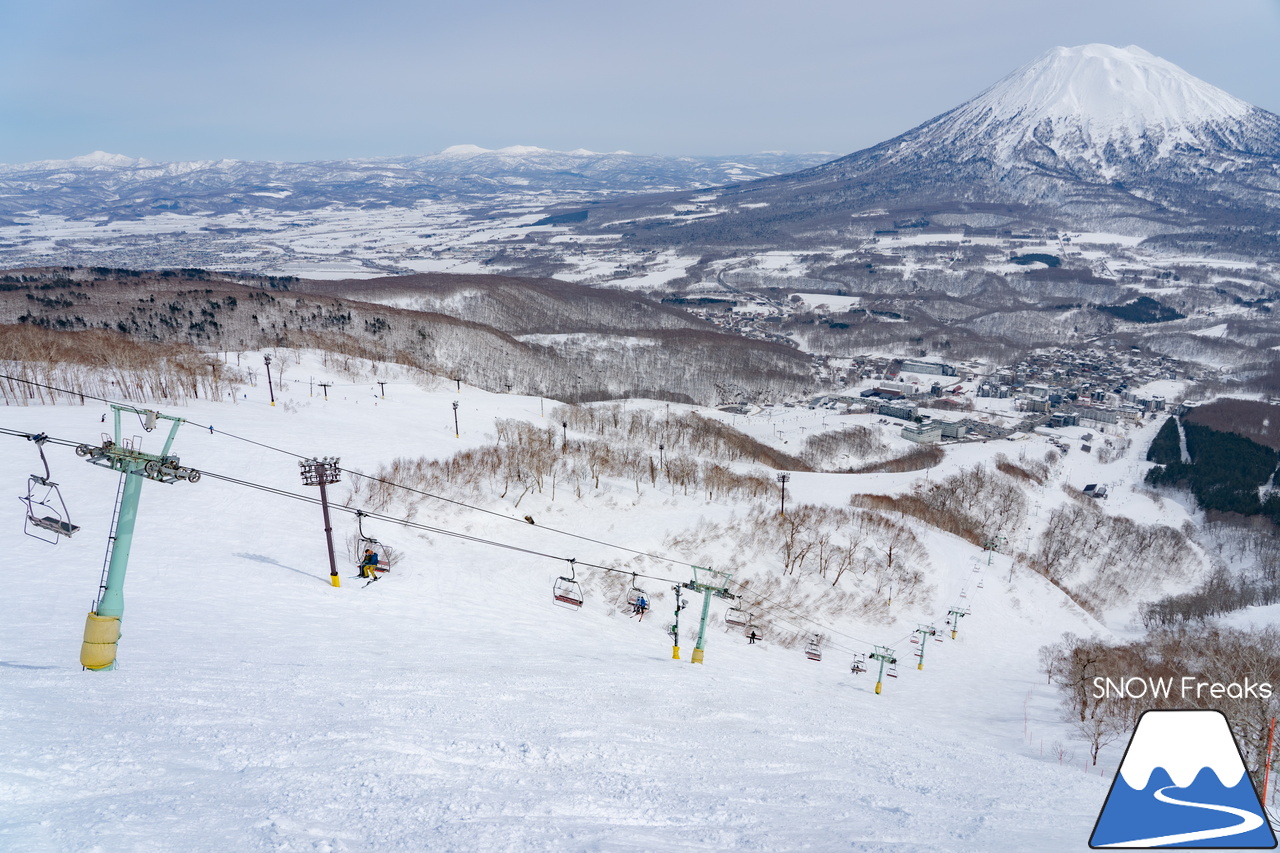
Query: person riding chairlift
(369, 565)
(641, 606)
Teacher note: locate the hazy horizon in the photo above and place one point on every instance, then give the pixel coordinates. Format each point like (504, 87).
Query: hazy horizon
(297, 81)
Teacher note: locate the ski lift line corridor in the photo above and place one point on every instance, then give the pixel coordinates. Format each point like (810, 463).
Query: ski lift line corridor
(569, 583)
(429, 528)
(466, 537)
(479, 540)
(568, 586)
(774, 604)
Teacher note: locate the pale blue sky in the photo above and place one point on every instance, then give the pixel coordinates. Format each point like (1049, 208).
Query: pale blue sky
(314, 79)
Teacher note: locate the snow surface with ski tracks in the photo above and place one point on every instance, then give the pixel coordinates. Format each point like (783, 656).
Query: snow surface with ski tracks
(451, 706)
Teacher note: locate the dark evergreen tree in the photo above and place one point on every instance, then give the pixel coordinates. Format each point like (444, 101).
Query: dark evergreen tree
(1167, 447)
(1225, 473)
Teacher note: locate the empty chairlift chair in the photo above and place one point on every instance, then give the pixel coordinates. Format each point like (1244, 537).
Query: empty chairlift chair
(737, 617)
(566, 591)
(47, 518)
(813, 651)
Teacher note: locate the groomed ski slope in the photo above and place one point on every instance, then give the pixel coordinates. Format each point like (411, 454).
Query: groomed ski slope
(451, 706)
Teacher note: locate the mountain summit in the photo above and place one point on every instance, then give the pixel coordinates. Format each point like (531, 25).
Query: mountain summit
(1091, 136)
(1110, 102)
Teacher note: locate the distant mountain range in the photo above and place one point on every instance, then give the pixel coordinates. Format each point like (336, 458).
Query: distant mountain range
(1085, 138)
(124, 187)
(1094, 137)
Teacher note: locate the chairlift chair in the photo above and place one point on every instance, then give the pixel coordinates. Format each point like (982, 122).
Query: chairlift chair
(915, 638)
(813, 651)
(368, 543)
(979, 583)
(736, 616)
(892, 671)
(566, 591)
(859, 665)
(637, 599)
(46, 510)
(636, 594)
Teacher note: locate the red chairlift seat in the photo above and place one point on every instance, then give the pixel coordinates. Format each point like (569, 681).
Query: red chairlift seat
(813, 651)
(567, 592)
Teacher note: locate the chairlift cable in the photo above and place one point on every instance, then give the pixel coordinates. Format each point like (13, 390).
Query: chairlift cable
(426, 527)
(453, 501)
(60, 390)
(442, 531)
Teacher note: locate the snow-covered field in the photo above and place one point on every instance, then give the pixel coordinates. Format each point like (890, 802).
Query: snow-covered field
(451, 706)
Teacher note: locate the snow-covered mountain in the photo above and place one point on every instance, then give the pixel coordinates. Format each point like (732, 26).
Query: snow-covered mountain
(1092, 135)
(1101, 106)
(123, 186)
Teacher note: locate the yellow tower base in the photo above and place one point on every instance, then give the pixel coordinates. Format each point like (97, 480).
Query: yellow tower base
(697, 656)
(333, 579)
(101, 634)
(877, 688)
(675, 653)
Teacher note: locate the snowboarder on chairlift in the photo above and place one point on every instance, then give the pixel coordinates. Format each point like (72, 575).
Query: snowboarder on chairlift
(752, 637)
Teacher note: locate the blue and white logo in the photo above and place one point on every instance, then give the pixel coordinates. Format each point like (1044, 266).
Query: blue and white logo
(1182, 783)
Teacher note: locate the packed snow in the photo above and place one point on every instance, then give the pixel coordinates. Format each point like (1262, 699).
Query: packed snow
(452, 706)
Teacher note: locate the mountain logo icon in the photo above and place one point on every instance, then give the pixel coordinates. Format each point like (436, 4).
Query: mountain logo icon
(1182, 783)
